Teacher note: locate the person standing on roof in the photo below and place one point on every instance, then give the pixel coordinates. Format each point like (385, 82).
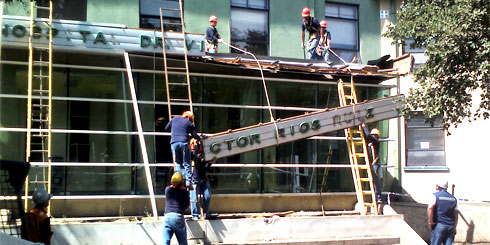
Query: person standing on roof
(325, 43)
(41, 198)
(372, 139)
(212, 36)
(182, 129)
(312, 25)
(176, 201)
(202, 186)
(442, 212)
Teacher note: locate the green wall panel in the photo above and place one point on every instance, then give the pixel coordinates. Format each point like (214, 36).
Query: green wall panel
(125, 12)
(197, 14)
(19, 8)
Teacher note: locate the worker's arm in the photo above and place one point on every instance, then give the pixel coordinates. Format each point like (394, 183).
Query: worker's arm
(168, 127)
(303, 39)
(430, 212)
(329, 41)
(456, 216)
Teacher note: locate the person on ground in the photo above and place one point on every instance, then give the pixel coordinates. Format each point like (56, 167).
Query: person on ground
(41, 198)
(312, 25)
(442, 212)
(372, 139)
(324, 44)
(176, 201)
(182, 129)
(202, 186)
(212, 36)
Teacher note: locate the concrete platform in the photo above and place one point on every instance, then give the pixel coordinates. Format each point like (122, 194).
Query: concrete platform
(350, 229)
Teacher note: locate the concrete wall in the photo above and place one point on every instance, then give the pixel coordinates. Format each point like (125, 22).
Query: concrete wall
(220, 203)
(124, 12)
(473, 225)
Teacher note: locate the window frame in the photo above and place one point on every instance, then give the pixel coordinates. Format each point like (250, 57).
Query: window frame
(358, 39)
(267, 10)
(149, 16)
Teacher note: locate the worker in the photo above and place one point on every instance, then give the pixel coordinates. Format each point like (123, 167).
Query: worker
(202, 186)
(442, 212)
(212, 36)
(41, 198)
(312, 25)
(324, 44)
(373, 154)
(176, 201)
(182, 129)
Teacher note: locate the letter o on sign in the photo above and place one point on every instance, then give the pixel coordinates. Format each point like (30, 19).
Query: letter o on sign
(304, 127)
(242, 141)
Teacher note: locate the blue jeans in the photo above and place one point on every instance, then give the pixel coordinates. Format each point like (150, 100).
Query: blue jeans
(181, 152)
(205, 189)
(442, 234)
(311, 47)
(174, 223)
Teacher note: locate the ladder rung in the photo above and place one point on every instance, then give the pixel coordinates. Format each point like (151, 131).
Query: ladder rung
(348, 96)
(42, 7)
(358, 142)
(178, 84)
(39, 150)
(41, 76)
(362, 166)
(41, 48)
(365, 179)
(40, 120)
(172, 23)
(171, 9)
(179, 99)
(40, 91)
(41, 105)
(367, 192)
(38, 182)
(40, 135)
(347, 85)
(176, 68)
(355, 131)
(368, 204)
(360, 155)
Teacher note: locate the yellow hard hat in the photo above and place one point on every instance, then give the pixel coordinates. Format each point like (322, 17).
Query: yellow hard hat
(176, 178)
(375, 131)
(188, 114)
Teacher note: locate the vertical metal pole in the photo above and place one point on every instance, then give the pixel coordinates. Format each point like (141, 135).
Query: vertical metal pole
(144, 153)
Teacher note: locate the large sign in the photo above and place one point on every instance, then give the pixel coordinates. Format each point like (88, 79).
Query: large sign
(96, 37)
(295, 128)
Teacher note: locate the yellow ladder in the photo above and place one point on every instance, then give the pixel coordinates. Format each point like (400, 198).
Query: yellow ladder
(39, 102)
(177, 97)
(358, 154)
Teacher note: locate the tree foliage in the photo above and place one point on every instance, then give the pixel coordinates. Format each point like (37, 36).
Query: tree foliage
(456, 35)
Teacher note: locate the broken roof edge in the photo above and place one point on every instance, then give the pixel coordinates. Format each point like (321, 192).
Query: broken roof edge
(400, 66)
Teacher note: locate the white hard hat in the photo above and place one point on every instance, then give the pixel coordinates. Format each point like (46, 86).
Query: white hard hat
(442, 183)
(41, 196)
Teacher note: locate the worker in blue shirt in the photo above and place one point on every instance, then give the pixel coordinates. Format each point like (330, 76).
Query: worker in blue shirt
(212, 36)
(312, 25)
(442, 213)
(182, 129)
(176, 201)
(202, 186)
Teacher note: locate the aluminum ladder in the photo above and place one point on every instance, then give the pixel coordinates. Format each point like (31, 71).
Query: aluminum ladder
(178, 92)
(358, 154)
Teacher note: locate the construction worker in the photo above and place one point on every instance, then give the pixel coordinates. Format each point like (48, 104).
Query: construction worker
(212, 36)
(43, 232)
(176, 201)
(442, 212)
(202, 186)
(373, 154)
(182, 129)
(324, 43)
(312, 25)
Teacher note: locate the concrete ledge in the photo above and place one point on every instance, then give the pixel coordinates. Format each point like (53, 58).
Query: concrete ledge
(346, 241)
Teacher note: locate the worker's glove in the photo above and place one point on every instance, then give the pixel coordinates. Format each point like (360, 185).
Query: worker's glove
(302, 45)
(220, 40)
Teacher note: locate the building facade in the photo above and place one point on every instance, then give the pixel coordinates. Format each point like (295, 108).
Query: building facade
(95, 144)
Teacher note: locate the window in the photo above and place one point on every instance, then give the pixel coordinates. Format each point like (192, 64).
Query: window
(425, 143)
(250, 25)
(417, 52)
(343, 24)
(150, 14)
(65, 9)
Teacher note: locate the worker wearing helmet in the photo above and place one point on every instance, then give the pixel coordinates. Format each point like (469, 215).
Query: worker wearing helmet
(324, 44)
(312, 25)
(202, 186)
(176, 201)
(372, 139)
(182, 129)
(212, 36)
(41, 198)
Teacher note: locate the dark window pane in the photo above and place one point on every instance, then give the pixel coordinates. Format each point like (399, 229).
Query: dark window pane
(65, 9)
(250, 30)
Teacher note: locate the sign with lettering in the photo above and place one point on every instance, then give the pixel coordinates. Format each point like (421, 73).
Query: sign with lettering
(96, 37)
(299, 127)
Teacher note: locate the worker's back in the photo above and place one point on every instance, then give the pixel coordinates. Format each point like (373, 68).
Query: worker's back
(39, 226)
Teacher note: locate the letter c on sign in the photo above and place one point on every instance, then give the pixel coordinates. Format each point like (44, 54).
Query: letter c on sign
(215, 147)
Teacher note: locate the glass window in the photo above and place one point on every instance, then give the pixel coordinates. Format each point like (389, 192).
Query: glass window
(150, 14)
(250, 26)
(343, 24)
(425, 143)
(65, 9)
